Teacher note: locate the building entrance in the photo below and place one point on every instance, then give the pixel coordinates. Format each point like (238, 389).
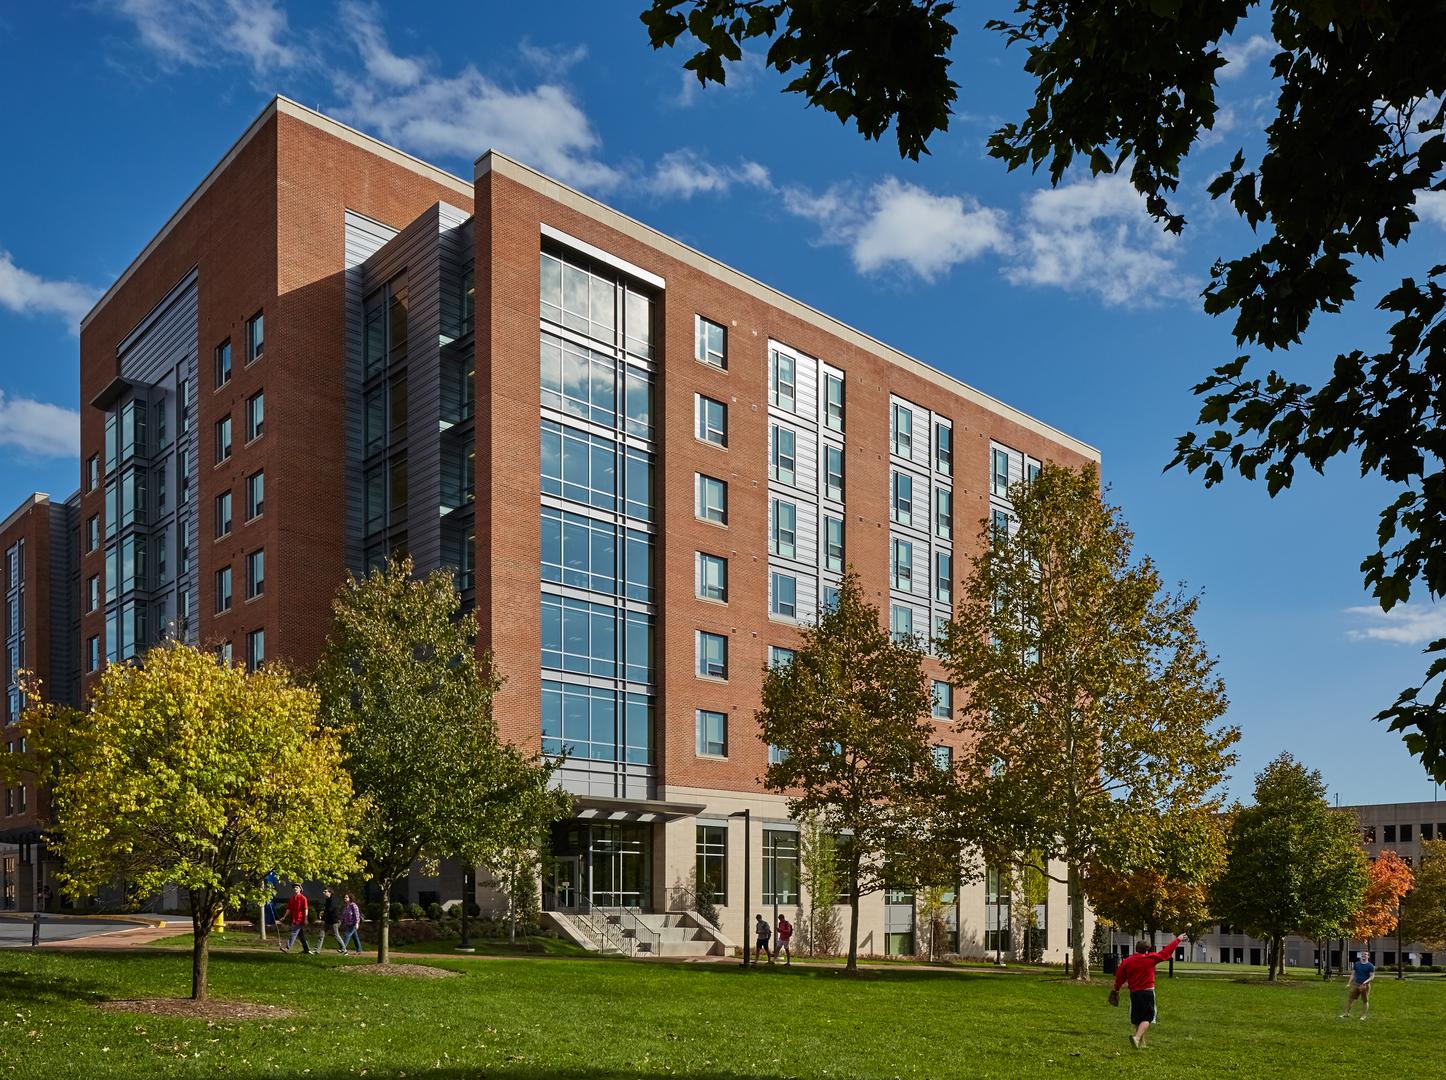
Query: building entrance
(600, 864)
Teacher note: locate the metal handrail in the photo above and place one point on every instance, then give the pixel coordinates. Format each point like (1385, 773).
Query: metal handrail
(603, 927)
(640, 930)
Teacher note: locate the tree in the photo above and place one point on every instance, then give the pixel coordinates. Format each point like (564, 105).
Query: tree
(1169, 885)
(403, 688)
(1388, 879)
(929, 916)
(849, 714)
(1423, 915)
(1091, 706)
(1356, 138)
(1029, 886)
(187, 771)
(818, 874)
(1296, 866)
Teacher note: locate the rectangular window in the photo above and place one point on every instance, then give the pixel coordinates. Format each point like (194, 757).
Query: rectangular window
(943, 513)
(255, 416)
(92, 532)
(92, 472)
(903, 498)
(785, 529)
(255, 574)
(901, 622)
(223, 513)
(712, 867)
(1000, 472)
(903, 431)
(712, 499)
(784, 391)
(223, 589)
(92, 592)
(780, 867)
(778, 656)
(777, 755)
(92, 652)
(712, 655)
(712, 577)
(183, 477)
(784, 462)
(712, 733)
(1000, 526)
(1426, 831)
(833, 473)
(255, 337)
(833, 544)
(833, 402)
(1389, 834)
(223, 363)
(944, 577)
(223, 439)
(1405, 834)
(902, 572)
(943, 758)
(943, 448)
(710, 343)
(183, 406)
(255, 649)
(1031, 472)
(943, 701)
(585, 638)
(785, 596)
(712, 420)
(255, 495)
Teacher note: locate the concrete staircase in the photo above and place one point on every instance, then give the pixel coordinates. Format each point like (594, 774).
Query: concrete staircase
(632, 933)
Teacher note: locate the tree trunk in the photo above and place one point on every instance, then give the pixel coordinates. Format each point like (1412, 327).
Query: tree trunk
(203, 918)
(1275, 940)
(384, 932)
(853, 964)
(1076, 925)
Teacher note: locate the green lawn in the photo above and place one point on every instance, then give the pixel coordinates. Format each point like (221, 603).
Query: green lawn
(589, 1019)
(249, 939)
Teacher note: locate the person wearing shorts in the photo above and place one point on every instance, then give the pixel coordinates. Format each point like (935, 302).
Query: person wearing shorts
(1138, 972)
(1362, 972)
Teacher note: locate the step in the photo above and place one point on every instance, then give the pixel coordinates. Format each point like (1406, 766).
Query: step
(685, 948)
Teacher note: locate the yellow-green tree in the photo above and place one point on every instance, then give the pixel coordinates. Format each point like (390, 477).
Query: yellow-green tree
(1091, 704)
(1423, 913)
(187, 771)
(1164, 883)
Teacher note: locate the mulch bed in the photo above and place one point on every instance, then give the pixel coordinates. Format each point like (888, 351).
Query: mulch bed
(413, 971)
(211, 1009)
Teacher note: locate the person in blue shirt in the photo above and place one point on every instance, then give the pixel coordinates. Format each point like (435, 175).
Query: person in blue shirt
(1362, 972)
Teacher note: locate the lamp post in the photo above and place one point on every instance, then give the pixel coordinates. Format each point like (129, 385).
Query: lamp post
(773, 862)
(747, 816)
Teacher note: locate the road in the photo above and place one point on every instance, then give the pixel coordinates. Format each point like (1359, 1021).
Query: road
(15, 933)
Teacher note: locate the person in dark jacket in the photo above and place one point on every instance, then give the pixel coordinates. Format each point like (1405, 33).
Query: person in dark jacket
(330, 921)
(762, 932)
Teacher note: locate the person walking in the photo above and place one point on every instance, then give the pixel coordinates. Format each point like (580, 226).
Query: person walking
(296, 909)
(785, 932)
(1138, 972)
(350, 926)
(1362, 972)
(330, 920)
(762, 933)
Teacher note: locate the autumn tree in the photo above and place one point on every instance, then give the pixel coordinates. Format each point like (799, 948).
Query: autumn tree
(1296, 866)
(1091, 706)
(1423, 915)
(187, 771)
(402, 686)
(1388, 879)
(818, 874)
(1338, 174)
(850, 714)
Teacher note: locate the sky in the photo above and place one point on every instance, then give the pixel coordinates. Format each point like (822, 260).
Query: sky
(1067, 303)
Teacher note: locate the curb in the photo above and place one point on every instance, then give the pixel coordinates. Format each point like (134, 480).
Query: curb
(135, 920)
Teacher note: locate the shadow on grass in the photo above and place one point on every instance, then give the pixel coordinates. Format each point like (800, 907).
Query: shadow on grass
(33, 988)
(521, 1071)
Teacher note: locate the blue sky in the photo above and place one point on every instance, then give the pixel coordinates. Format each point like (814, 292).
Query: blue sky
(1068, 304)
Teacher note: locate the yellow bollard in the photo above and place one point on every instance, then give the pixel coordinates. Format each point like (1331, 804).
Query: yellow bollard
(220, 925)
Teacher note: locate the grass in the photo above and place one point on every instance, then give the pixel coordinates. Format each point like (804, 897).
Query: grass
(593, 1019)
(249, 939)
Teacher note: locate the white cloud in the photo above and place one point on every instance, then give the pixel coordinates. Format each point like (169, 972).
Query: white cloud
(193, 33)
(682, 174)
(465, 114)
(897, 225)
(29, 294)
(552, 59)
(741, 76)
(1404, 624)
(39, 428)
(1431, 206)
(1095, 237)
(1239, 55)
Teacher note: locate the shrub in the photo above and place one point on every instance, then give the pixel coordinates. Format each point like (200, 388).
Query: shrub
(416, 911)
(434, 912)
(396, 911)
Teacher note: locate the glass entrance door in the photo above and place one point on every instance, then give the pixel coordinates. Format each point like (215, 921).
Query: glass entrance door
(564, 884)
(619, 856)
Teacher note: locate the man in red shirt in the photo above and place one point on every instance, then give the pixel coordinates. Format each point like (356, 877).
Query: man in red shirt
(296, 915)
(1138, 972)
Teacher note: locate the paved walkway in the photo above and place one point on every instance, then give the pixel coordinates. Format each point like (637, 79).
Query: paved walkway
(65, 931)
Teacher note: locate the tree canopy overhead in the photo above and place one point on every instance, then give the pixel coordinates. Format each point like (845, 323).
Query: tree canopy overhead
(1332, 180)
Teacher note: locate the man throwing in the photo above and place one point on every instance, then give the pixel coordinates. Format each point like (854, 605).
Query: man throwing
(1362, 972)
(1138, 972)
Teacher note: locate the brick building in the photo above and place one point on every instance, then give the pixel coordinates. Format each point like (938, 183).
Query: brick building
(646, 469)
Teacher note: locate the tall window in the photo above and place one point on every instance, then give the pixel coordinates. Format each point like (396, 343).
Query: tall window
(183, 406)
(943, 708)
(92, 472)
(255, 495)
(833, 544)
(255, 574)
(943, 758)
(785, 529)
(784, 589)
(780, 867)
(712, 420)
(92, 590)
(784, 389)
(712, 867)
(943, 513)
(255, 416)
(901, 622)
(903, 431)
(712, 655)
(712, 733)
(903, 498)
(996, 910)
(223, 589)
(784, 463)
(833, 402)
(1000, 472)
(903, 566)
(223, 363)
(710, 342)
(943, 448)
(255, 337)
(223, 513)
(712, 577)
(223, 438)
(712, 499)
(999, 523)
(255, 649)
(944, 577)
(92, 532)
(833, 473)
